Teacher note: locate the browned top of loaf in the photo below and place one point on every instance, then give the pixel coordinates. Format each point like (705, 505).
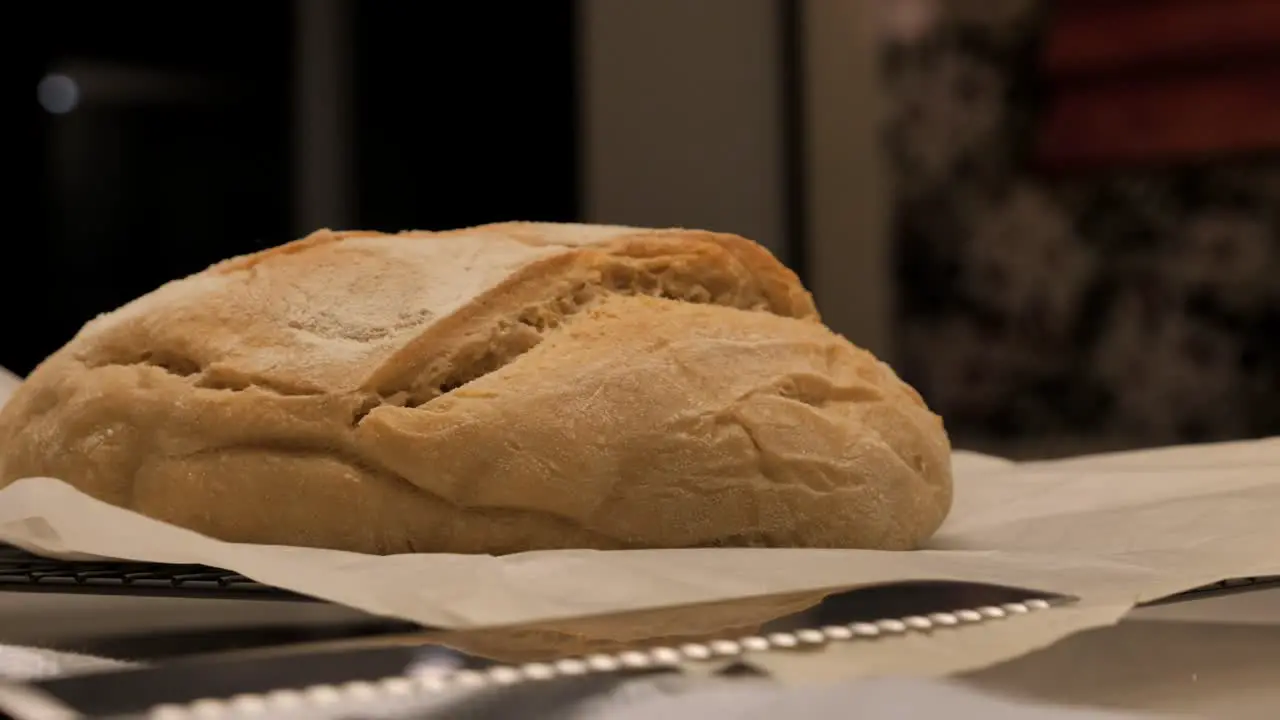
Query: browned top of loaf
(345, 311)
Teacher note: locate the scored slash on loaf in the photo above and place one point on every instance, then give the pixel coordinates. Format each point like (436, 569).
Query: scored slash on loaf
(497, 389)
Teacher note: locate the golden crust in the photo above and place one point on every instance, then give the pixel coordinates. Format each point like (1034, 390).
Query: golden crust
(503, 388)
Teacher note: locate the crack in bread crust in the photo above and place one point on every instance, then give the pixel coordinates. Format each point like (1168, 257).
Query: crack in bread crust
(582, 285)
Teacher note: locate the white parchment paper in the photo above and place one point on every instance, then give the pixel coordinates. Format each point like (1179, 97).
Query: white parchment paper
(1112, 530)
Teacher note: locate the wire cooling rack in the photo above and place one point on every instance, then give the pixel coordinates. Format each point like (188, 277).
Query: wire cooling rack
(22, 571)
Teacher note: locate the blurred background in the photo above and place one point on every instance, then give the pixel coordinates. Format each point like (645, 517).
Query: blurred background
(1059, 220)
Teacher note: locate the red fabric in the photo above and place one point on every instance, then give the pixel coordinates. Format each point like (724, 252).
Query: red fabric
(1159, 81)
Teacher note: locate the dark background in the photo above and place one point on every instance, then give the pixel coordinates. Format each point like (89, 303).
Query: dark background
(1060, 286)
(179, 152)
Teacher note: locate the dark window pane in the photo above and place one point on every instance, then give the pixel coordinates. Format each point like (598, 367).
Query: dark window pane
(465, 113)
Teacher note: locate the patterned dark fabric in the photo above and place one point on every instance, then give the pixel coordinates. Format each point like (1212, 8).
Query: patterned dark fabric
(1131, 309)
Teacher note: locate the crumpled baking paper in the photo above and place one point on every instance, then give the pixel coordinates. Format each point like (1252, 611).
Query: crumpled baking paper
(1111, 530)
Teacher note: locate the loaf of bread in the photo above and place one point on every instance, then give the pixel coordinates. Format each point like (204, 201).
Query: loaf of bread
(8, 383)
(497, 389)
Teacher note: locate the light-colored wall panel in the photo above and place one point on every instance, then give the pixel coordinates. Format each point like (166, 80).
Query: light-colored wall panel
(848, 213)
(683, 125)
(682, 115)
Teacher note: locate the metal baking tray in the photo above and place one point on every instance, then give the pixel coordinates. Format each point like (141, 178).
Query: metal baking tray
(409, 676)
